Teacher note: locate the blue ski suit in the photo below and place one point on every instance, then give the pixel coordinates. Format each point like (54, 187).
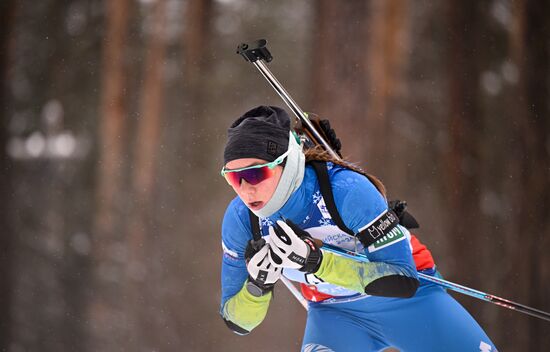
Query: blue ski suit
(349, 319)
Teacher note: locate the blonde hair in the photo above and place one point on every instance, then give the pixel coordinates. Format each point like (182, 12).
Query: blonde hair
(317, 153)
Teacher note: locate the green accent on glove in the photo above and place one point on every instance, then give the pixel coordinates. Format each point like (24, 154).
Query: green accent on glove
(246, 310)
(351, 274)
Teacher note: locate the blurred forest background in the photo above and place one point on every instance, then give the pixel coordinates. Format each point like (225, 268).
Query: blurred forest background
(113, 118)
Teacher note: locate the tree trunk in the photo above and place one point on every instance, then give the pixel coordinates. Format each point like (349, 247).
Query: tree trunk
(196, 35)
(7, 14)
(113, 115)
(361, 59)
(106, 308)
(196, 39)
(340, 71)
(531, 168)
(387, 61)
(148, 128)
(141, 235)
(463, 161)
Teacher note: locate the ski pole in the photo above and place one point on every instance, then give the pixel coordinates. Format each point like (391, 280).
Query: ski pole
(449, 285)
(255, 53)
(294, 292)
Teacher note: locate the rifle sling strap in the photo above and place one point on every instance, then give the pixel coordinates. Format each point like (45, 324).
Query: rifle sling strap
(326, 191)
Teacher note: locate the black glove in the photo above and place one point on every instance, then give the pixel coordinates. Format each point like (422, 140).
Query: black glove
(405, 218)
(324, 129)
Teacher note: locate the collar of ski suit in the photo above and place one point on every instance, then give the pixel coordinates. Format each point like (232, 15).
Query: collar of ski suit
(300, 202)
(291, 179)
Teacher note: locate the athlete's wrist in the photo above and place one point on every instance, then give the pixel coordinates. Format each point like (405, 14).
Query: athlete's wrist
(314, 257)
(258, 289)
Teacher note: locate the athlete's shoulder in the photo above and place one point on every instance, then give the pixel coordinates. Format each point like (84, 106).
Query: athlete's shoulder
(357, 199)
(346, 181)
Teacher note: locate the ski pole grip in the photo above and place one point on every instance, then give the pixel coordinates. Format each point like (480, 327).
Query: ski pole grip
(255, 51)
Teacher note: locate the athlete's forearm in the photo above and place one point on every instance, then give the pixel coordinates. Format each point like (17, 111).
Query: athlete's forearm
(245, 310)
(374, 278)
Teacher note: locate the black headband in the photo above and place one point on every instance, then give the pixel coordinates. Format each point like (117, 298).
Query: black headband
(260, 133)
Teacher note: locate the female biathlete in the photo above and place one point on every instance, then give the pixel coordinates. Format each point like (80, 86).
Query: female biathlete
(284, 206)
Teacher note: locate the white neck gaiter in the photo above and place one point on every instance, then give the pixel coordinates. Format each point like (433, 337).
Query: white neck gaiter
(291, 179)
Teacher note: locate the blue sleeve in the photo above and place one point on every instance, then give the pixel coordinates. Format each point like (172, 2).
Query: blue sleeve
(359, 203)
(236, 232)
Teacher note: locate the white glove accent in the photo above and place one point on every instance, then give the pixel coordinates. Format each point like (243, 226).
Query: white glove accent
(261, 269)
(287, 249)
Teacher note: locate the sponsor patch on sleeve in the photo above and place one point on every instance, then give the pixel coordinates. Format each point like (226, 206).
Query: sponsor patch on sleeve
(395, 235)
(381, 226)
